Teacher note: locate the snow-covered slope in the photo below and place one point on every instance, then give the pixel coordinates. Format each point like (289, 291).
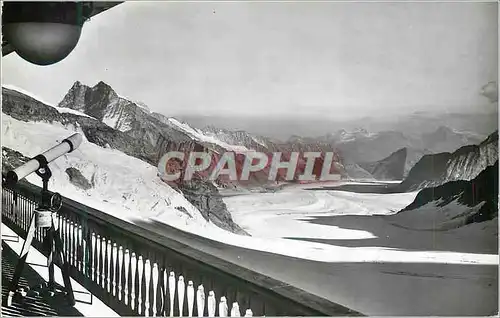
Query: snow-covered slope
(238, 137)
(121, 185)
(197, 134)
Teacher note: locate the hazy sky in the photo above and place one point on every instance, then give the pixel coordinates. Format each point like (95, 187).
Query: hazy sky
(330, 59)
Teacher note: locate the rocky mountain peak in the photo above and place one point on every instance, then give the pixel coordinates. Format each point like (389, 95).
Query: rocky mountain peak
(102, 85)
(77, 84)
(390, 168)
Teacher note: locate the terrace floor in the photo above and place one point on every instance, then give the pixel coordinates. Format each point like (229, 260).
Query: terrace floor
(30, 305)
(35, 272)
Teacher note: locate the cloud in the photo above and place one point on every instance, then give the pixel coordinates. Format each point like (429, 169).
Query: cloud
(490, 91)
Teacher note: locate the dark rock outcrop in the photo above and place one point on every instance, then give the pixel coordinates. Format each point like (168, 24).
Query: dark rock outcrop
(206, 198)
(390, 168)
(77, 179)
(463, 164)
(483, 189)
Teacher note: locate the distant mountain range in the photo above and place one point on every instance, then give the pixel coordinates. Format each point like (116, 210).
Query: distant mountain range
(110, 120)
(283, 127)
(434, 156)
(361, 146)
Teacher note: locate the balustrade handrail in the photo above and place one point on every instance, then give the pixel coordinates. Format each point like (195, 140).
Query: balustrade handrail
(88, 258)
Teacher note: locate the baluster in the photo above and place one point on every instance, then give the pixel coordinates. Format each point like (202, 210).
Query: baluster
(100, 257)
(37, 231)
(235, 310)
(74, 244)
(109, 267)
(211, 303)
(155, 289)
(114, 273)
(15, 206)
(80, 256)
(20, 205)
(151, 286)
(17, 214)
(119, 273)
(66, 239)
(248, 313)
(134, 281)
(104, 252)
(89, 243)
(129, 289)
(223, 307)
(79, 249)
(147, 276)
(181, 286)
(70, 242)
(165, 305)
(95, 256)
(126, 280)
(200, 300)
(83, 240)
(140, 285)
(159, 290)
(99, 260)
(171, 290)
(19, 211)
(26, 214)
(190, 298)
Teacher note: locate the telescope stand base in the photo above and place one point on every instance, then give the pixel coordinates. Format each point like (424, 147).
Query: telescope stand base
(48, 289)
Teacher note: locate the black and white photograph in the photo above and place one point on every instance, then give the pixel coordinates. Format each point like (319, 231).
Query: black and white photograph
(249, 158)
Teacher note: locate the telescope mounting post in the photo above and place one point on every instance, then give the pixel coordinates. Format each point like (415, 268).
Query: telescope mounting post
(44, 216)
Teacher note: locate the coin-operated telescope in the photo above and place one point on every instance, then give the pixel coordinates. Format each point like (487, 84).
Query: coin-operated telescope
(44, 216)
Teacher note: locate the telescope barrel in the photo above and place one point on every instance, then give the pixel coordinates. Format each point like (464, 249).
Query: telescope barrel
(66, 146)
